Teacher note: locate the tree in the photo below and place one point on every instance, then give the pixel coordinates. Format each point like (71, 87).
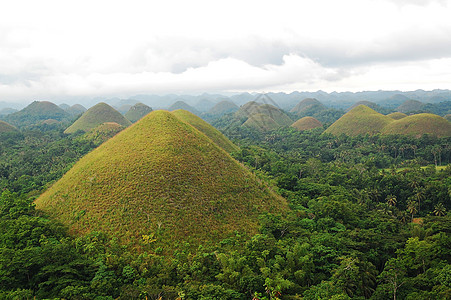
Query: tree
(439, 209)
(412, 207)
(391, 200)
(393, 274)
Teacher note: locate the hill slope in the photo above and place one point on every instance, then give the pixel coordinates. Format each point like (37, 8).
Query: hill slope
(223, 107)
(96, 115)
(397, 115)
(35, 113)
(359, 120)
(410, 105)
(308, 104)
(76, 109)
(253, 108)
(160, 176)
(306, 123)
(5, 127)
(206, 129)
(137, 111)
(420, 124)
(183, 105)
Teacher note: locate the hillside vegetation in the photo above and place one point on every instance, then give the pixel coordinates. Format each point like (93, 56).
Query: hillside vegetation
(96, 115)
(420, 124)
(306, 123)
(5, 127)
(35, 113)
(397, 115)
(160, 178)
(103, 132)
(359, 120)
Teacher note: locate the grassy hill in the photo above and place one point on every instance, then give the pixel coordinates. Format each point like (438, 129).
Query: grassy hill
(420, 124)
(183, 105)
(223, 107)
(137, 111)
(163, 178)
(261, 122)
(96, 115)
(397, 115)
(103, 132)
(253, 108)
(76, 109)
(35, 113)
(206, 128)
(410, 105)
(306, 123)
(359, 120)
(5, 127)
(311, 105)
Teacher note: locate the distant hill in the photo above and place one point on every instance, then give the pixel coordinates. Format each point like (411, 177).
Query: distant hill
(204, 105)
(410, 106)
(5, 127)
(64, 106)
(124, 108)
(6, 111)
(261, 122)
(206, 129)
(222, 108)
(359, 120)
(182, 105)
(252, 108)
(161, 178)
(310, 105)
(371, 105)
(448, 117)
(397, 115)
(306, 123)
(76, 109)
(35, 113)
(137, 111)
(96, 115)
(420, 124)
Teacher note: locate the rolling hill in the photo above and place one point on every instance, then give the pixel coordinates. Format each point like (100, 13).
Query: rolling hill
(183, 105)
(261, 122)
(310, 105)
(137, 111)
(163, 178)
(359, 120)
(397, 115)
(252, 108)
(410, 105)
(5, 127)
(35, 113)
(96, 115)
(76, 109)
(306, 123)
(222, 108)
(420, 124)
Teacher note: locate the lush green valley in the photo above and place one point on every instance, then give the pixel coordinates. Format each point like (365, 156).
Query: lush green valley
(368, 219)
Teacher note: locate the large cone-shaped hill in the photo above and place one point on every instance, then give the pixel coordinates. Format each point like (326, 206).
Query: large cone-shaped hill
(160, 176)
(261, 122)
(96, 115)
(306, 123)
(223, 107)
(37, 112)
(206, 128)
(359, 120)
(137, 111)
(252, 108)
(5, 127)
(420, 124)
(410, 105)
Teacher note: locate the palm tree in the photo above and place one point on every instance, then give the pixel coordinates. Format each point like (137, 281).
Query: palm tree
(419, 195)
(391, 200)
(412, 207)
(439, 209)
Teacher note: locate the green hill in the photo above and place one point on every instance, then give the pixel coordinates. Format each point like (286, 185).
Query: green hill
(306, 123)
(35, 113)
(222, 108)
(183, 105)
(420, 124)
(410, 105)
(448, 117)
(253, 108)
(397, 115)
(359, 120)
(76, 109)
(310, 105)
(96, 115)
(137, 111)
(5, 127)
(206, 128)
(160, 178)
(103, 132)
(261, 122)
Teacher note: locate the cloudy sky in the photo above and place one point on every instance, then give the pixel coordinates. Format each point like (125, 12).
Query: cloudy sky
(110, 48)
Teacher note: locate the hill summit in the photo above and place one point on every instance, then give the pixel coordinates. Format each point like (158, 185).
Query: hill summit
(420, 124)
(35, 113)
(96, 115)
(359, 120)
(306, 123)
(160, 177)
(137, 111)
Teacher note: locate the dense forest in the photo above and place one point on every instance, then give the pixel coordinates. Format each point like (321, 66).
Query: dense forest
(369, 219)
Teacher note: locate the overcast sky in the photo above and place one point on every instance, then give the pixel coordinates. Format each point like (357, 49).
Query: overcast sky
(110, 48)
